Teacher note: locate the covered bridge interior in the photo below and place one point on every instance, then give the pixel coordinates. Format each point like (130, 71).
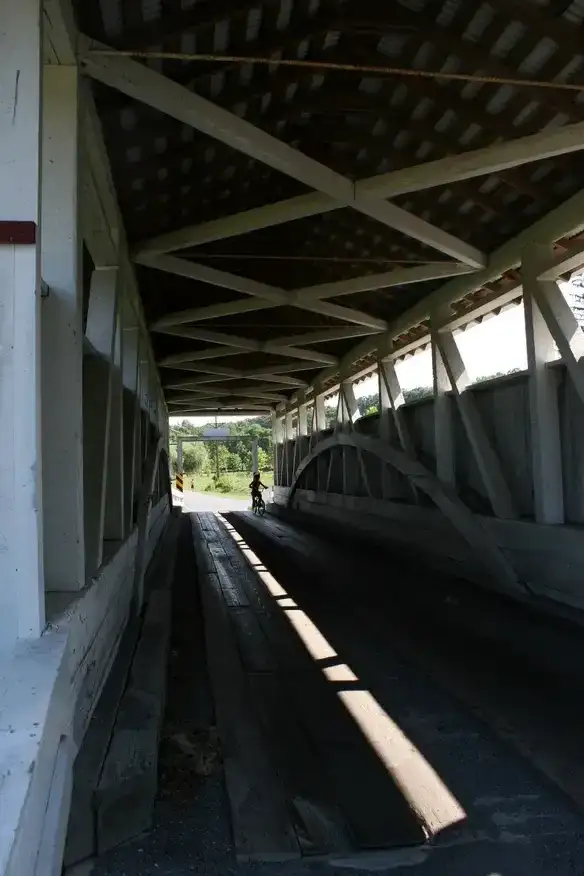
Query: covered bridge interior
(238, 208)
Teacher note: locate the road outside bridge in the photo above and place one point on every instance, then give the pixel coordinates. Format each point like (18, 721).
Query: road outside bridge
(194, 501)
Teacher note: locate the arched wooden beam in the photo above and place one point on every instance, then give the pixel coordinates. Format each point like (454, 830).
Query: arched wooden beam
(463, 520)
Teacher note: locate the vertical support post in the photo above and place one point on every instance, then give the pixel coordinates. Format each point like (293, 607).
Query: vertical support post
(319, 425)
(97, 390)
(348, 411)
(282, 452)
(179, 456)
(443, 424)
(254, 455)
(62, 334)
(130, 377)
(302, 420)
(21, 526)
(320, 414)
(543, 397)
(289, 437)
(137, 472)
(391, 399)
(486, 458)
(301, 432)
(114, 508)
(275, 446)
(385, 405)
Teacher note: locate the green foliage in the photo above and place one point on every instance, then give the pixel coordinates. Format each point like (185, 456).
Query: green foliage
(225, 456)
(221, 484)
(195, 458)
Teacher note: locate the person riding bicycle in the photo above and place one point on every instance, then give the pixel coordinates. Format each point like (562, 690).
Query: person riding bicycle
(256, 488)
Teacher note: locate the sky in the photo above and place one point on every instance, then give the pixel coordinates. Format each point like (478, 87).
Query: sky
(495, 345)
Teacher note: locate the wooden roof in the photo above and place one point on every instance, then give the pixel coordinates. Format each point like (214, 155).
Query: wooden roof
(357, 123)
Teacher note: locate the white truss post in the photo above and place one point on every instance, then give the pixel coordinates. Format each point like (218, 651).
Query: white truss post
(131, 352)
(485, 455)
(564, 329)
(347, 412)
(303, 420)
(22, 611)
(543, 396)
(289, 437)
(391, 401)
(281, 451)
(114, 510)
(97, 388)
(275, 445)
(443, 424)
(62, 334)
(391, 392)
(319, 415)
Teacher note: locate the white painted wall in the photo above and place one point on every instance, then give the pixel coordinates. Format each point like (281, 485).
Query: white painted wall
(48, 690)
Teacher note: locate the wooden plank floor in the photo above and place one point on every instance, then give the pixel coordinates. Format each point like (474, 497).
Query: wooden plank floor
(318, 784)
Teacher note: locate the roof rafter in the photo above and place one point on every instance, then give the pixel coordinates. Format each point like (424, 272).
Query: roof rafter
(151, 88)
(442, 171)
(307, 298)
(225, 341)
(564, 221)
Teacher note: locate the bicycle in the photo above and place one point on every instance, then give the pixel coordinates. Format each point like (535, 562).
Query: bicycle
(258, 505)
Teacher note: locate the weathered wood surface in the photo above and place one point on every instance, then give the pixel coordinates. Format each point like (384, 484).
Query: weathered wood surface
(275, 705)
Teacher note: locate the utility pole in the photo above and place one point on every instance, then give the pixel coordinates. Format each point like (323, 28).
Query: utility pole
(216, 452)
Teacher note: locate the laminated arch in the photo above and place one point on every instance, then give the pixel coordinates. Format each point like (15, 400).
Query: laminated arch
(464, 521)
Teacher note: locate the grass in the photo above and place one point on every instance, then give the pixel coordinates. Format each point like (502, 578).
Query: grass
(240, 481)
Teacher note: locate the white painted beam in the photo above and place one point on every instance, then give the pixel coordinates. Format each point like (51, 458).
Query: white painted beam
(444, 449)
(215, 352)
(271, 294)
(98, 386)
(564, 263)
(563, 327)
(62, 335)
(387, 279)
(319, 413)
(114, 522)
(315, 337)
(245, 344)
(485, 455)
(210, 411)
(564, 221)
(59, 32)
(543, 397)
(391, 396)
(220, 373)
(391, 402)
(215, 311)
(228, 393)
(479, 162)
(145, 85)
(107, 220)
(302, 421)
(443, 171)
(324, 335)
(22, 600)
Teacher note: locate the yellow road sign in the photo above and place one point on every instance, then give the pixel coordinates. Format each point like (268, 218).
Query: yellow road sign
(179, 483)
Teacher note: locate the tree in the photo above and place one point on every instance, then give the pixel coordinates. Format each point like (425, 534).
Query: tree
(195, 457)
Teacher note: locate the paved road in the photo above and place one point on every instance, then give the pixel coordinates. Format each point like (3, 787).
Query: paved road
(212, 502)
